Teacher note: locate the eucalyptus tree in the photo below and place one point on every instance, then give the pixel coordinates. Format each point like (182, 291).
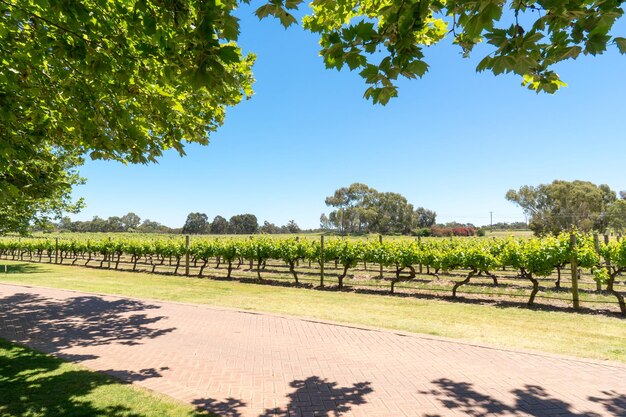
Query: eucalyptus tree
(196, 223)
(562, 205)
(219, 226)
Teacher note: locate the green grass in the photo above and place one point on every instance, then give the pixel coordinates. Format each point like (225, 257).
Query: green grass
(584, 335)
(33, 384)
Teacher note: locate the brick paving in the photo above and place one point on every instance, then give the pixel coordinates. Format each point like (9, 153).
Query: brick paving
(244, 364)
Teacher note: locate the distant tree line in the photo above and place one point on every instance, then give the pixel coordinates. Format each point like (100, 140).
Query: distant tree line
(563, 205)
(196, 223)
(246, 224)
(130, 222)
(509, 226)
(362, 209)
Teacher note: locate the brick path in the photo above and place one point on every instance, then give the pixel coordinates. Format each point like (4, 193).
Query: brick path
(242, 364)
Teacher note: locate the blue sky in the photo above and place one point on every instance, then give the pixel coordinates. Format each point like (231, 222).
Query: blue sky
(454, 141)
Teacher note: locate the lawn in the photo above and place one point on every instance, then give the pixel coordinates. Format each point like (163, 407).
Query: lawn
(502, 325)
(33, 384)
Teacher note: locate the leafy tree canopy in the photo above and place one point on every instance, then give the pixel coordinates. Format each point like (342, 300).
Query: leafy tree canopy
(562, 205)
(617, 216)
(360, 209)
(219, 226)
(385, 39)
(243, 224)
(112, 79)
(196, 223)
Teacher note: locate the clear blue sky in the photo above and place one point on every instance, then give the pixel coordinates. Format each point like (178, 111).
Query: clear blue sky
(454, 141)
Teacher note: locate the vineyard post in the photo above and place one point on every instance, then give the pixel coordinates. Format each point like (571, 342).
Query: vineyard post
(187, 255)
(596, 245)
(19, 248)
(380, 240)
(322, 261)
(251, 260)
(419, 244)
(608, 262)
(297, 260)
(56, 249)
(574, 263)
(108, 255)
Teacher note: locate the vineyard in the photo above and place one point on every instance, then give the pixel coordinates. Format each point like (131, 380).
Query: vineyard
(555, 271)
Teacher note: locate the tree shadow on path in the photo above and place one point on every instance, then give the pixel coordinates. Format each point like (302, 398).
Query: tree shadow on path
(313, 396)
(54, 325)
(530, 400)
(612, 401)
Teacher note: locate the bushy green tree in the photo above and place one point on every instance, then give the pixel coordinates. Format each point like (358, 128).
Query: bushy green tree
(196, 223)
(360, 208)
(269, 228)
(425, 218)
(292, 227)
(392, 213)
(562, 205)
(219, 226)
(616, 216)
(130, 221)
(243, 224)
(122, 80)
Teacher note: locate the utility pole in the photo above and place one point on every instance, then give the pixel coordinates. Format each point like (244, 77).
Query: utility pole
(491, 221)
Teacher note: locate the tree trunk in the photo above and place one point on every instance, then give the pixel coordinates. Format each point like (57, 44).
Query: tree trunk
(230, 269)
(531, 300)
(493, 278)
(557, 284)
(465, 281)
(412, 275)
(342, 276)
(177, 265)
(206, 261)
(611, 288)
(258, 270)
(293, 271)
(396, 279)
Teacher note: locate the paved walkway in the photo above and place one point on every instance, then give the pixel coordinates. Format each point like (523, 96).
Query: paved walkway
(241, 364)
